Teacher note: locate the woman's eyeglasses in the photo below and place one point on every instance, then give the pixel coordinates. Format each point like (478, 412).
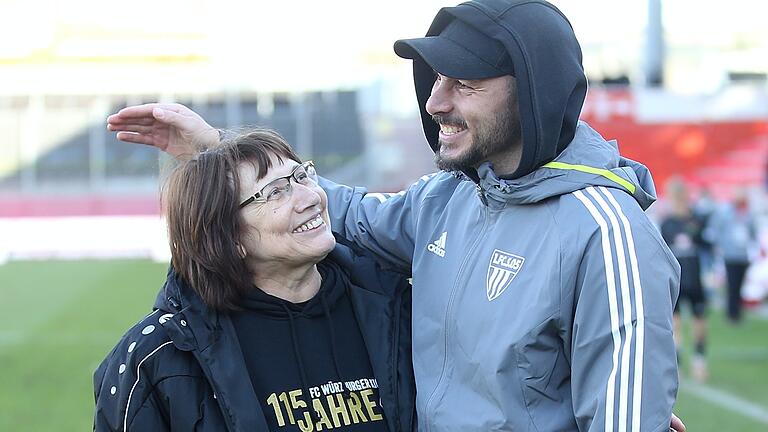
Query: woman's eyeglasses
(280, 189)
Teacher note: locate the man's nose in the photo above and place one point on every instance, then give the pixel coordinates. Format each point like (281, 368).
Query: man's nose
(439, 101)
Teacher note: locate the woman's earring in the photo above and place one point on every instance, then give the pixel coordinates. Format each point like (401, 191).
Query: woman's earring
(241, 250)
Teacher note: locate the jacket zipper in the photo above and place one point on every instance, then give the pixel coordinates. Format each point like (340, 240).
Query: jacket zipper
(226, 410)
(393, 373)
(481, 194)
(451, 299)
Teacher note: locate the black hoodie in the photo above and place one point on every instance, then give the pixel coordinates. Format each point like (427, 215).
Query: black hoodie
(551, 85)
(182, 367)
(310, 353)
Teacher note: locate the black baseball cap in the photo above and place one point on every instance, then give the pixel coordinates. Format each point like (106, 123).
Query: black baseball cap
(460, 52)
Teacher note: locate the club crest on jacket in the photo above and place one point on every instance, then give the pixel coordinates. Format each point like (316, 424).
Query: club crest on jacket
(502, 269)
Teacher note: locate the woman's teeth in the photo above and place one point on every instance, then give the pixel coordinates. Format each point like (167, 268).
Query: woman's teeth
(314, 223)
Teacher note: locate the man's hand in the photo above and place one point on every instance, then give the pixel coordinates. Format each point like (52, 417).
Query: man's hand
(676, 424)
(172, 128)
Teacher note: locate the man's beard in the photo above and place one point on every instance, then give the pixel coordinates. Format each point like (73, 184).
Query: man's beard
(491, 137)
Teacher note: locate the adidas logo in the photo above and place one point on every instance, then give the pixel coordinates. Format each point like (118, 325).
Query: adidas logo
(437, 247)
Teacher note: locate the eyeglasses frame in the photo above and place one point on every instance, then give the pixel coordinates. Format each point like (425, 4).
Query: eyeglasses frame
(258, 198)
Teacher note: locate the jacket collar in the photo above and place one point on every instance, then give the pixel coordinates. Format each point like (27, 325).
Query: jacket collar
(589, 160)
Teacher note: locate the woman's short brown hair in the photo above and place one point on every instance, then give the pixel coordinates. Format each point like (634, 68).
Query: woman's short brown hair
(201, 202)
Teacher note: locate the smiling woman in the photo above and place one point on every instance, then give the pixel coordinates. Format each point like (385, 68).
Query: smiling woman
(286, 227)
(235, 209)
(264, 322)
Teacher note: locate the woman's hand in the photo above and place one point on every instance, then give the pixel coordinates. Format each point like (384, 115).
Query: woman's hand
(676, 424)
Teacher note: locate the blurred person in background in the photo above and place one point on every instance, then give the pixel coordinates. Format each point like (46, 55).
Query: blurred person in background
(529, 201)
(264, 322)
(703, 208)
(683, 232)
(755, 289)
(733, 232)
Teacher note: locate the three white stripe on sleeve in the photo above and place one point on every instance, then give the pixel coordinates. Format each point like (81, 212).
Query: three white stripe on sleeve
(625, 255)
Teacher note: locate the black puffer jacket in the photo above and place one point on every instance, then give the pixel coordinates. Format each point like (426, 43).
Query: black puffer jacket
(181, 368)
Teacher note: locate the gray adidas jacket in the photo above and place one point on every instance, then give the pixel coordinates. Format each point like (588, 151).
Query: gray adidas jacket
(548, 309)
(542, 302)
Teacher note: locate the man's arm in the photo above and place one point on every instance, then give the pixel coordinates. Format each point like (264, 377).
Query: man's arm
(171, 128)
(383, 224)
(623, 362)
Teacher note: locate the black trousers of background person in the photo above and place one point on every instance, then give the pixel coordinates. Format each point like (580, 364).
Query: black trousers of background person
(734, 272)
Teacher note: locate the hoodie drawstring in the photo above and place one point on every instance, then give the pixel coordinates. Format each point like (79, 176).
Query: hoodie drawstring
(329, 320)
(299, 362)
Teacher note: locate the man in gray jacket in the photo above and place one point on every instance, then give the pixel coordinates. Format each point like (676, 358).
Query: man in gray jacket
(543, 295)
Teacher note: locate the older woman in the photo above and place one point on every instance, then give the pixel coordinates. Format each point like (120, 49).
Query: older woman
(264, 323)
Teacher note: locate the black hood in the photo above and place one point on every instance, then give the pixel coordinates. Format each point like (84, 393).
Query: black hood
(551, 84)
(331, 290)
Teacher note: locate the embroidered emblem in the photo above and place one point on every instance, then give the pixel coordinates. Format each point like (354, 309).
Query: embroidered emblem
(437, 247)
(503, 267)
